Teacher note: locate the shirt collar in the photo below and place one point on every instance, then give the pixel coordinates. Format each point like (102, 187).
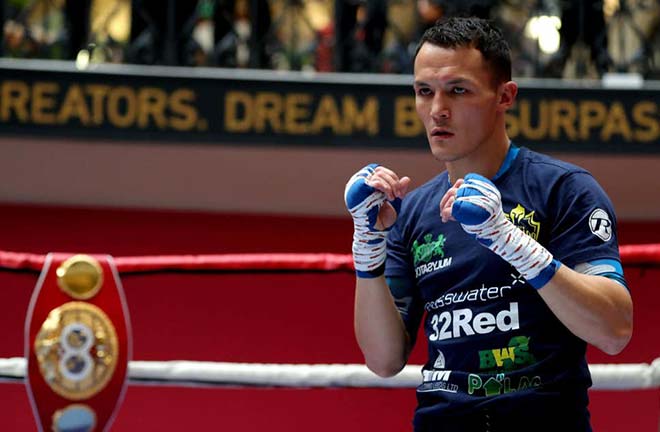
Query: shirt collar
(508, 161)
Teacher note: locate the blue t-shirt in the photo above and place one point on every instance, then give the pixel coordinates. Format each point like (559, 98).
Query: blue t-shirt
(494, 347)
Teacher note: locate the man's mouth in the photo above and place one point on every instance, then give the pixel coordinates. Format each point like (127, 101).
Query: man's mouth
(441, 133)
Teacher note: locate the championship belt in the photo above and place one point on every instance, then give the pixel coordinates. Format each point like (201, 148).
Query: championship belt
(77, 343)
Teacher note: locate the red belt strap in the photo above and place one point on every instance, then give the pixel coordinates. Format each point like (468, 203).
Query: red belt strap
(77, 343)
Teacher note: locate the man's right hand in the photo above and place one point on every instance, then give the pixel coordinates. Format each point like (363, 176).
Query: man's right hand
(366, 195)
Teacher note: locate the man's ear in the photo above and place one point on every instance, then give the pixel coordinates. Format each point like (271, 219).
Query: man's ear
(507, 95)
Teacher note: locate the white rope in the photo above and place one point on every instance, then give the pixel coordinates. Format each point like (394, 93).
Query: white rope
(628, 376)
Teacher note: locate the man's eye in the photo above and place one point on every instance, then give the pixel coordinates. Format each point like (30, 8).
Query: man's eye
(424, 91)
(458, 90)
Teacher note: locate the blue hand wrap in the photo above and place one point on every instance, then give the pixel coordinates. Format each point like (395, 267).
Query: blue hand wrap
(478, 208)
(364, 203)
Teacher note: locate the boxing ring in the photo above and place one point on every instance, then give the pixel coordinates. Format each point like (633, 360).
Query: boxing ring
(264, 342)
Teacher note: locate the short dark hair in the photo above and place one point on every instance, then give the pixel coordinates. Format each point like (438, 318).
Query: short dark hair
(476, 33)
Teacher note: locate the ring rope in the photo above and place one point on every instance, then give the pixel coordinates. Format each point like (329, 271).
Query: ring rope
(631, 376)
(219, 262)
(641, 255)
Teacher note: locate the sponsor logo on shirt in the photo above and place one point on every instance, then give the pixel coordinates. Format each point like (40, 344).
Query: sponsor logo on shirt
(513, 356)
(482, 294)
(462, 323)
(600, 224)
(500, 361)
(500, 384)
(429, 256)
(439, 361)
(524, 220)
(437, 380)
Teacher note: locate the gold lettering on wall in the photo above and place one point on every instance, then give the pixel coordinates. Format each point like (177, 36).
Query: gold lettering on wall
(564, 115)
(616, 123)
(122, 107)
(534, 128)
(299, 113)
(44, 102)
(15, 101)
(90, 105)
(74, 106)
(406, 120)
(184, 117)
(592, 114)
(238, 111)
(364, 120)
(98, 93)
(267, 110)
(151, 103)
(305, 113)
(584, 120)
(328, 117)
(645, 114)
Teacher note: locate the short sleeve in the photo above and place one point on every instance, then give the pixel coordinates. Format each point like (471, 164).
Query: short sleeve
(584, 227)
(398, 262)
(402, 283)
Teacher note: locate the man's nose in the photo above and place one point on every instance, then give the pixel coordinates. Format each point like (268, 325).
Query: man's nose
(440, 108)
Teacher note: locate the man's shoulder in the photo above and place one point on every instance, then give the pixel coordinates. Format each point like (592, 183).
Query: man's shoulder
(543, 163)
(548, 176)
(546, 172)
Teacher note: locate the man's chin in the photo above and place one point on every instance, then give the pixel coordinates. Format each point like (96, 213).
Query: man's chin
(442, 154)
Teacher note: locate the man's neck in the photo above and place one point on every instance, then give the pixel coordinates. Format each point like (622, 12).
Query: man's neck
(485, 161)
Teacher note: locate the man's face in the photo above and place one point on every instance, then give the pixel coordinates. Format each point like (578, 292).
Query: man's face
(455, 99)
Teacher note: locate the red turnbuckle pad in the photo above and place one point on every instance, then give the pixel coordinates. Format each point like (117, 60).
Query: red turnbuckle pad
(77, 343)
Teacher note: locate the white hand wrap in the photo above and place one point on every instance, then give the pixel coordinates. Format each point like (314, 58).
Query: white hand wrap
(478, 207)
(369, 244)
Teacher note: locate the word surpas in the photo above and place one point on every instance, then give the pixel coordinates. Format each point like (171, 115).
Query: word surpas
(541, 119)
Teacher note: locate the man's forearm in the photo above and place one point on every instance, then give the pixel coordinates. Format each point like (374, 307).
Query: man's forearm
(379, 329)
(594, 308)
